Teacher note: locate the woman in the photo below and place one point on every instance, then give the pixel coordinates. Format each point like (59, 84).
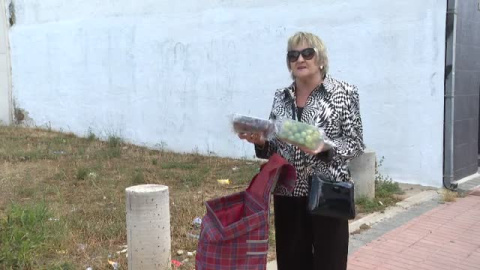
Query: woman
(304, 241)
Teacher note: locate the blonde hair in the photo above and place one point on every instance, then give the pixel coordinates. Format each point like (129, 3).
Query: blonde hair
(313, 41)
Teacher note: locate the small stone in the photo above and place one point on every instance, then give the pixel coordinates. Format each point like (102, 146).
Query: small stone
(189, 254)
(180, 252)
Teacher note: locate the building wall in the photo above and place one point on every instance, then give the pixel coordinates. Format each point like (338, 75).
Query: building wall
(169, 73)
(5, 72)
(467, 88)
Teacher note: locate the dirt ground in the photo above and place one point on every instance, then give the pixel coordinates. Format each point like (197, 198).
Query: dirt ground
(412, 189)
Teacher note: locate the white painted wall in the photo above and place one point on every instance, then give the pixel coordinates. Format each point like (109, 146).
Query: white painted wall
(5, 71)
(172, 71)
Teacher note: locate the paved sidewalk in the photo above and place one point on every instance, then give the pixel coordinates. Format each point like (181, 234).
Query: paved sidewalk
(382, 223)
(445, 238)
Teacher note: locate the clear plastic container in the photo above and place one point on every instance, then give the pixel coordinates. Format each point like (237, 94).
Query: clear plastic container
(248, 124)
(300, 134)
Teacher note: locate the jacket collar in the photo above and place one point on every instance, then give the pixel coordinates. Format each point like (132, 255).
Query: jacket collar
(328, 85)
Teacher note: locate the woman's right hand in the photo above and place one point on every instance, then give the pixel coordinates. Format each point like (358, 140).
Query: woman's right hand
(255, 138)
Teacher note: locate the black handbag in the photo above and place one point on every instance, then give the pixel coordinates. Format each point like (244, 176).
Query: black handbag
(331, 198)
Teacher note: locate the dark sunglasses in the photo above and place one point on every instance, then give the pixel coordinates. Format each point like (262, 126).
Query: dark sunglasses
(307, 54)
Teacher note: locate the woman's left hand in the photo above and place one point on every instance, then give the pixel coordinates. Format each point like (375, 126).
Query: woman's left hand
(314, 152)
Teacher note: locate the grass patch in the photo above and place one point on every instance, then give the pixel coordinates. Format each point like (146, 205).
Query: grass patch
(386, 192)
(114, 149)
(367, 205)
(27, 192)
(178, 165)
(83, 181)
(27, 233)
(138, 177)
(386, 188)
(195, 178)
(108, 153)
(82, 173)
(62, 266)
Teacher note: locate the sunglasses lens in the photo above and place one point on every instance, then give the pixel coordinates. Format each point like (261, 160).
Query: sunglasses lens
(308, 53)
(293, 56)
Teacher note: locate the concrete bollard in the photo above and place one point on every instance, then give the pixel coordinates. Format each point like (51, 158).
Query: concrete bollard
(362, 169)
(148, 227)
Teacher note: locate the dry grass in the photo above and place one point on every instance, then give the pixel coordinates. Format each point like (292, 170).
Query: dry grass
(449, 196)
(79, 184)
(82, 182)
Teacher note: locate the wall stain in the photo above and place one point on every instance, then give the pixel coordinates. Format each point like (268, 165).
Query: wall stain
(13, 18)
(21, 117)
(178, 51)
(432, 84)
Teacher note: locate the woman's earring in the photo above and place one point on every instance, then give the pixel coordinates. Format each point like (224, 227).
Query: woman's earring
(321, 67)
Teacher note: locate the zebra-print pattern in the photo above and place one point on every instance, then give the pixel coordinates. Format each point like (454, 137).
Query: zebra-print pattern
(334, 107)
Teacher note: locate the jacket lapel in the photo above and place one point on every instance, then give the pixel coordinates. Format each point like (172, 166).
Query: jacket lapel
(329, 84)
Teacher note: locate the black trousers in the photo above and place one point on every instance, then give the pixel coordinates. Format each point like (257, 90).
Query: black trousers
(308, 242)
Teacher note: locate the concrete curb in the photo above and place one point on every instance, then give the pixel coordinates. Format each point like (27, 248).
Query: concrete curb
(394, 210)
(390, 212)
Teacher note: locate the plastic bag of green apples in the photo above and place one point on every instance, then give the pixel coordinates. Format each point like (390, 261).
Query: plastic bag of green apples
(290, 131)
(301, 134)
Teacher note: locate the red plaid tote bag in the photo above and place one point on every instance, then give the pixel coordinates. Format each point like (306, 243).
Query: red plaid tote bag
(234, 232)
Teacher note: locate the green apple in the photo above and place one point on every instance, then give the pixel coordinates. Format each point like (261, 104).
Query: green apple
(300, 134)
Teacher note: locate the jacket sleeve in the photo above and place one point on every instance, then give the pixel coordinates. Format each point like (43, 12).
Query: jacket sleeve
(270, 146)
(350, 143)
(267, 150)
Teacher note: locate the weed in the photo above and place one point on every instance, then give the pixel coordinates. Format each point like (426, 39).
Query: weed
(386, 188)
(138, 178)
(82, 173)
(91, 136)
(162, 146)
(368, 205)
(114, 141)
(449, 196)
(60, 175)
(385, 193)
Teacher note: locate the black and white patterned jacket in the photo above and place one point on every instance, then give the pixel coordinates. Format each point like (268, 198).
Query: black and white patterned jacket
(334, 107)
